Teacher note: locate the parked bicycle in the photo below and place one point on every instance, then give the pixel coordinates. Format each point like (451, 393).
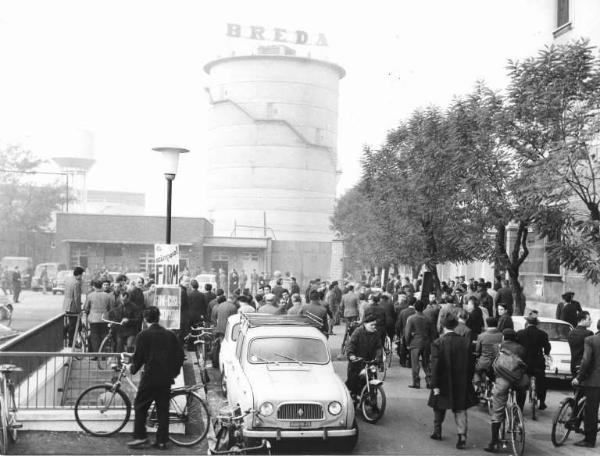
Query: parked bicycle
(229, 433)
(484, 391)
(108, 345)
(104, 410)
(386, 361)
(81, 337)
(372, 400)
(569, 418)
(512, 430)
(8, 408)
(202, 338)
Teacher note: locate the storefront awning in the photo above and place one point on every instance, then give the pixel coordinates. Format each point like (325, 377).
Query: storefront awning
(236, 242)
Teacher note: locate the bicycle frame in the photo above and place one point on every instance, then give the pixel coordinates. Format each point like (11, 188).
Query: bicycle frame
(234, 429)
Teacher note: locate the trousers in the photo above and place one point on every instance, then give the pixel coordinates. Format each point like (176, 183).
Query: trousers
(143, 399)
(500, 396)
(420, 355)
(460, 418)
(590, 420)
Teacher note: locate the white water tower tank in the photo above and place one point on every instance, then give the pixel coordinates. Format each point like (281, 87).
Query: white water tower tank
(272, 145)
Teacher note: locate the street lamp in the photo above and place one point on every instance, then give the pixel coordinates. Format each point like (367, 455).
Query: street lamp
(170, 161)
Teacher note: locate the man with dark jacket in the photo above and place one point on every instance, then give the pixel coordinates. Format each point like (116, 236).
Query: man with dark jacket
(451, 373)
(316, 311)
(536, 346)
(364, 345)
(504, 296)
(159, 351)
(419, 334)
(197, 304)
(485, 300)
(390, 314)
(571, 309)
(403, 352)
(576, 340)
(504, 318)
(72, 302)
(208, 293)
(589, 377)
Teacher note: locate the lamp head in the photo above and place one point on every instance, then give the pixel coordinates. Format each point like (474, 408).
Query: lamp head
(170, 157)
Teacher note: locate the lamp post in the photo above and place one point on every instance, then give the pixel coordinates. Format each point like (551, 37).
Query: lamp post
(170, 162)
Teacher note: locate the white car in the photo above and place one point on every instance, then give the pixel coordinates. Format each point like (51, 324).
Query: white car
(558, 364)
(203, 279)
(227, 351)
(282, 368)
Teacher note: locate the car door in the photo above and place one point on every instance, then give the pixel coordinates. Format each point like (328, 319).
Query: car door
(241, 390)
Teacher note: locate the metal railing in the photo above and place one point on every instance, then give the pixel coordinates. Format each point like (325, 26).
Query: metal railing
(46, 385)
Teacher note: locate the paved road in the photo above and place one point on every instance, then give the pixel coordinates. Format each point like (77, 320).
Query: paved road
(32, 309)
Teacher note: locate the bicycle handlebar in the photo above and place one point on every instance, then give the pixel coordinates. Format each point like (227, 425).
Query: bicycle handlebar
(112, 322)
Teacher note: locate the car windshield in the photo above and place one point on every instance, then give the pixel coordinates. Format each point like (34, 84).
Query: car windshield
(555, 331)
(287, 350)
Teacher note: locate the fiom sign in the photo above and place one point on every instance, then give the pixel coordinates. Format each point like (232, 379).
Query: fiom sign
(168, 293)
(279, 35)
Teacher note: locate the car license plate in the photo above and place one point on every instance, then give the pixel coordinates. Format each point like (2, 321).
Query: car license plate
(300, 424)
(566, 361)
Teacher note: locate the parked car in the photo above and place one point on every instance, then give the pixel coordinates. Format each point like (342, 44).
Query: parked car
(25, 267)
(203, 279)
(59, 283)
(278, 360)
(52, 269)
(132, 276)
(558, 364)
(227, 351)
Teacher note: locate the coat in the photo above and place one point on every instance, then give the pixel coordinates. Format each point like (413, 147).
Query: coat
(451, 372)
(505, 322)
(72, 298)
(159, 351)
(316, 309)
(576, 340)
(402, 319)
(419, 332)
(589, 374)
(198, 307)
(536, 345)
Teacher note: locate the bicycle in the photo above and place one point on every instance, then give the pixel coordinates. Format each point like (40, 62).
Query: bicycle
(229, 432)
(372, 400)
(103, 410)
(484, 392)
(569, 418)
(8, 408)
(350, 327)
(80, 337)
(532, 395)
(202, 337)
(513, 425)
(108, 345)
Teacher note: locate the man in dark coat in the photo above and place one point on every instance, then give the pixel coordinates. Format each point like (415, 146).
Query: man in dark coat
(504, 295)
(390, 314)
(313, 309)
(589, 377)
(576, 340)
(364, 345)
(536, 346)
(16, 284)
(452, 389)
(504, 318)
(419, 334)
(159, 351)
(571, 309)
(403, 352)
(208, 293)
(475, 317)
(197, 304)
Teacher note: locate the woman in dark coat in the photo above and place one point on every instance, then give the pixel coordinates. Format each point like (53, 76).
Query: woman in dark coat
(451, 380)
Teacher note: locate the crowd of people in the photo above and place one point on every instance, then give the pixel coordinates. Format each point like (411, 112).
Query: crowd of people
(456, 338)
(460, 337)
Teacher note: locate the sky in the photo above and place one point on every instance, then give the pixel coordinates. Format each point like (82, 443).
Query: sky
(131, 72)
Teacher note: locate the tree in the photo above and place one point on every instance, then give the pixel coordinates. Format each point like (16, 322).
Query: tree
(25, 205)
(414, 179)
(554, 99)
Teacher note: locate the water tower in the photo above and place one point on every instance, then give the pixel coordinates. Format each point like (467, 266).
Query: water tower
(73, 152)
(272, 144)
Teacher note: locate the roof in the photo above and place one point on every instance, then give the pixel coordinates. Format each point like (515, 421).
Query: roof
(257, 319)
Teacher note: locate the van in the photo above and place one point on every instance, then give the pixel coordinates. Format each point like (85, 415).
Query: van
(25, 267)
(52, 269)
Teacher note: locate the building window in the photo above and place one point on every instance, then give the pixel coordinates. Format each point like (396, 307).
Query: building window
(249, 256)
(552, 265)
(79, 256)
(219, 256)
(562, 12)
(146, 262)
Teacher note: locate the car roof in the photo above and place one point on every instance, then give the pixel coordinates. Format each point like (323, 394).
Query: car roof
(262, 319)
(543, 319)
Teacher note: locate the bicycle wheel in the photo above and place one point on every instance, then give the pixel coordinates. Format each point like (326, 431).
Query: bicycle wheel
(80, 343)
(517, 430)
(188, 418)
(372, 403)
(11, 411)
(387, 348)
(3, 426)
(100, 411)
(533, 398)
(560, 423)
(107, 346)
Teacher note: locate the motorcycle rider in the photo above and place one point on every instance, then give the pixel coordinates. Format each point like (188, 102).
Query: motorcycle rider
(364, 345)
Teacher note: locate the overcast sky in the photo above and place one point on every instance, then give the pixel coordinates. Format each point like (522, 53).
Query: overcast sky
(132, 73)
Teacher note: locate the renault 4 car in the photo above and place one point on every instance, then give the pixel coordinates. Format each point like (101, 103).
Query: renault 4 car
(282, 368)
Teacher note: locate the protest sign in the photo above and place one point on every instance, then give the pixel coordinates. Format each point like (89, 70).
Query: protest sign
(168, 292)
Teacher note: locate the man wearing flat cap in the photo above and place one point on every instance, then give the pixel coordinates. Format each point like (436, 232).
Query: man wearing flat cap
(536, 346)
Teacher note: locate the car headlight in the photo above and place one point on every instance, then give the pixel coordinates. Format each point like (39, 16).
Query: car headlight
(266, 409)
(335, 408)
